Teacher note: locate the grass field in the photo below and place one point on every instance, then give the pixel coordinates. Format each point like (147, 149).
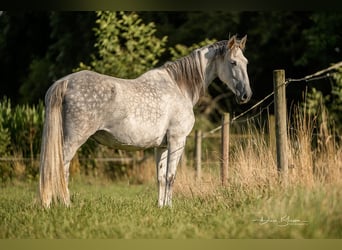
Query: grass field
(130, 211)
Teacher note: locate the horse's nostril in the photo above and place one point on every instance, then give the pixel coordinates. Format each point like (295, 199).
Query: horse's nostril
(244, 97)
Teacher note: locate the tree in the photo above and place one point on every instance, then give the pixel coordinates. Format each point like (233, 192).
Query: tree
(323, 47)
(24, 36)
(71, 41)
(126, 46)
(322, 40)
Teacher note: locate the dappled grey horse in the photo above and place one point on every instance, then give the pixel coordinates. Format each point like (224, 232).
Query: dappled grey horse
(153, 110)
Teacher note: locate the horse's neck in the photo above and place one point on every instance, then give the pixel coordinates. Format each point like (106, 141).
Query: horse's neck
(208, 65)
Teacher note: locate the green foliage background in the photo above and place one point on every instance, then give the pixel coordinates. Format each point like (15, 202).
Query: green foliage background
(38, 48)
(123, 39)
(317, 102)
(21, 127)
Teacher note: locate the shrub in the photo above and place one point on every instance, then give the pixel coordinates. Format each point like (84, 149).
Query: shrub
(20, 128)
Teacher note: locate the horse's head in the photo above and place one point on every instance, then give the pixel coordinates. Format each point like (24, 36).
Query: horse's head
(233, 70)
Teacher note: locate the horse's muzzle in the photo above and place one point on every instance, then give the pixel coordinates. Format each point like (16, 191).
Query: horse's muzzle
(243, 98)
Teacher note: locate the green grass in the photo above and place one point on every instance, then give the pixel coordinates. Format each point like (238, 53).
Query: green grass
(128, 211)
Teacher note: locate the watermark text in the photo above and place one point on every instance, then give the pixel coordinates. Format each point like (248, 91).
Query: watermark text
(282, 221)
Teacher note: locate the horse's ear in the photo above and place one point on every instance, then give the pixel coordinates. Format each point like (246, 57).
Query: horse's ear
(231, 42)
(243, 42)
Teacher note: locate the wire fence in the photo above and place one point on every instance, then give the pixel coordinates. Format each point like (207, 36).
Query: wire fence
(282, 161)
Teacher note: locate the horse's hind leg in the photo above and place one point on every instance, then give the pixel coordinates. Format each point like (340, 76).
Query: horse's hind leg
(71, 145)
(76, 133)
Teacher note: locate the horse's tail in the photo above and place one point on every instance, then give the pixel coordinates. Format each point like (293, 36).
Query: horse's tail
(53, 184)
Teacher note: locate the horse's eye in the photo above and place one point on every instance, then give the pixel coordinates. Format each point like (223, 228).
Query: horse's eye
(233, 63)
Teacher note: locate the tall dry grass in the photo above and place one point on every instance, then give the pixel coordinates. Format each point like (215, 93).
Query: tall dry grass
(314, 152)
(314, 159)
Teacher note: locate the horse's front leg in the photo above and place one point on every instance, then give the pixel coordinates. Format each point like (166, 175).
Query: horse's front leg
(161, 164)
(167, 169)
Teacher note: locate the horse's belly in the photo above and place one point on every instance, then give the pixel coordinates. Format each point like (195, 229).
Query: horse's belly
(127, 142)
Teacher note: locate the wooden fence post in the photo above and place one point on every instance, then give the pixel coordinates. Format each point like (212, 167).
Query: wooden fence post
(280, 124)
(225, 147)
(198, 153)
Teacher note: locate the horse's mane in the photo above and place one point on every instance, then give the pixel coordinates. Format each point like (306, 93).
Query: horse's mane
(187, 71)
(219, 48)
